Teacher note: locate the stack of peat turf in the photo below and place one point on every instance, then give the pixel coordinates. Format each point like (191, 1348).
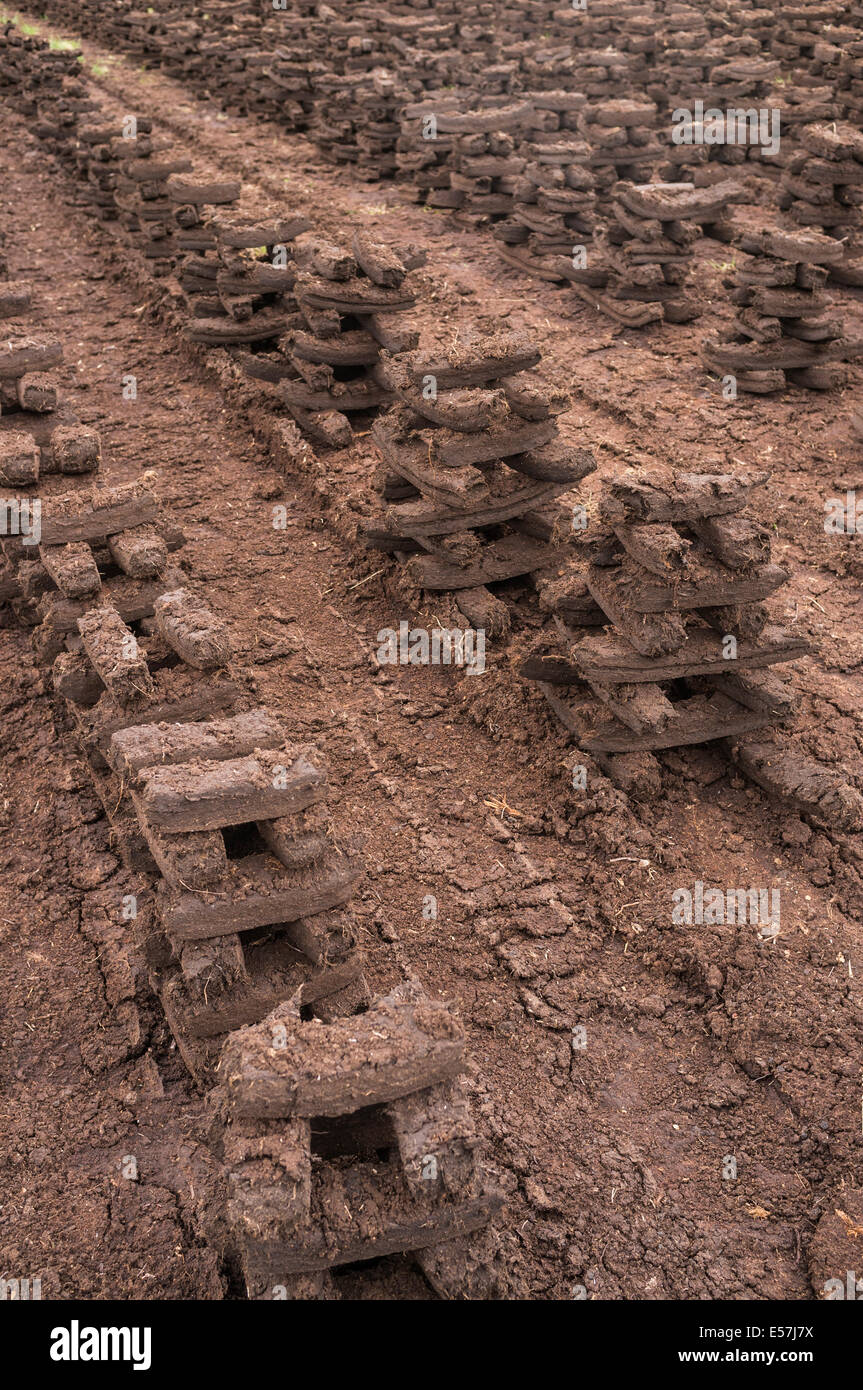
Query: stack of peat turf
(253, 886)
(847, 55)
(356, 119)
(785, 330)
(554, 208)
(822, 187)
(801, 26)
(621, 137)
(146, 210)
(462, 159)
(38, 441)
(251, 944)
(199, 268)
(680, 575)
(44, 81)
(239, 283)
(103, 147)
(352, 1138)
(704, 133)
(649, 241)
(471, 461)
(349, 303)
(99, 546)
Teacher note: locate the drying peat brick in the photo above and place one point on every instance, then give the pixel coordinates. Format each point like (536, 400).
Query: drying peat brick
(141, 552)
(658, 548)
(661, 678)
(72, 568)
(20, 355)
(337, 396)
(36, 391)
(270, 1180)
(320, 257)
(499, 439)
(496, 560)
(241, 232)
(569, 596)
(211, 970)
(19, 459)
(156, 170)
(664, 495)
(803, 783)
(258, 891)
(391, 333)
(234, 791)
(354, 296)
(734, 539)
(107, 512)
(530, 397)
(75, 680)
(436, 1121)
(157, 745)
(379, 262)
(352, 348)
(180, 696)
(181, 189)
(14, 299)
(653, 635)
(146, 745)
(499, 355)
(113, 650)
(468, 410)
(297, 841)
(759, 690)
(494, 120)
(608, 658)
(784, 330)
(75, 449)
(705, 583)
(327, 938)
(697, 719)
(402, 1044)
(218, 332)
(642, 708)
(195, 862)
(192, 630)
(836, 141)
(505, 497)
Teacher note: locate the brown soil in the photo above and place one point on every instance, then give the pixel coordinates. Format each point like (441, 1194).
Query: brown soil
(553, 911)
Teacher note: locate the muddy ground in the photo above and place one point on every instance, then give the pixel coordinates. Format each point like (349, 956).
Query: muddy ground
(553, 911)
